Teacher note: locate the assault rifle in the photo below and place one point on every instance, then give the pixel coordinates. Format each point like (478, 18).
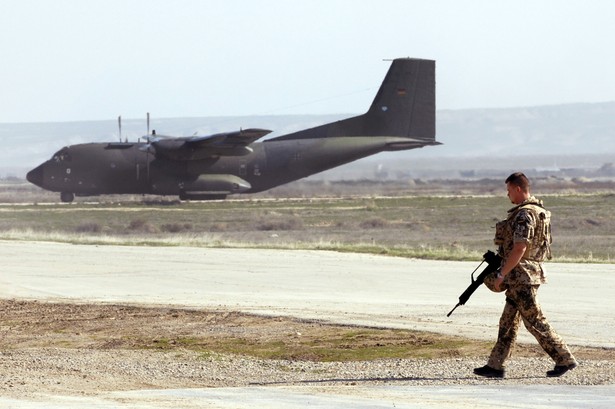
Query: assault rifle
(493, 263)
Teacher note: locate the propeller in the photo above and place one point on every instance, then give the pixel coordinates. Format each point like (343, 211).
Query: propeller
(151, 137)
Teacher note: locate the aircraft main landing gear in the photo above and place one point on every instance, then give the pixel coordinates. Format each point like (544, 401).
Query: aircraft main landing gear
(67, 197)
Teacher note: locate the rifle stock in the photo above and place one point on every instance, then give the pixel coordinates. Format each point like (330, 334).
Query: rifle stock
(493, 263)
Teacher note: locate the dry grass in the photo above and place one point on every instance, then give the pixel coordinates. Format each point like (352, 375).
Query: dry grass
(419, 225)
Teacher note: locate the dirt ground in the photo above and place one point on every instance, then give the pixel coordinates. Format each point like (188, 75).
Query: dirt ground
(36, 324)
(85, 348)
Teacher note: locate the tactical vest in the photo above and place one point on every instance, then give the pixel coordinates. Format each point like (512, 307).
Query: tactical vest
(539, 247)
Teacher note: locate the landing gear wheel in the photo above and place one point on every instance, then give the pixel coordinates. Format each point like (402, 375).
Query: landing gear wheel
(67, 197)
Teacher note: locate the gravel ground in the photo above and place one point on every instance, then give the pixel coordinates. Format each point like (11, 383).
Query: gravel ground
(81, 350)
(30, 372)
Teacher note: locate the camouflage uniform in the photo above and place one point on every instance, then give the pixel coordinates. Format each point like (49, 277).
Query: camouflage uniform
(523, 225)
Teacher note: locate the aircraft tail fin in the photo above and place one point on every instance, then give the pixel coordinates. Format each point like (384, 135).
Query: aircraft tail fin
(405, 104)
(405, 107)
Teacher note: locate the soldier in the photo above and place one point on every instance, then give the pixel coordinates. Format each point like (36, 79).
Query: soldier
(523, 241)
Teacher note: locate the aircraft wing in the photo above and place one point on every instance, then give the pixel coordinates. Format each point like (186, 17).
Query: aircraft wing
(210, 146)
(243, 137)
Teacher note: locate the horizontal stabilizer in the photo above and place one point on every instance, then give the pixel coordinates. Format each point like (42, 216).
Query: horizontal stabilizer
(401, 144)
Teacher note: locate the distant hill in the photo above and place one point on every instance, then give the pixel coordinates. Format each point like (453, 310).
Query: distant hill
(555, 129)
(572, 129)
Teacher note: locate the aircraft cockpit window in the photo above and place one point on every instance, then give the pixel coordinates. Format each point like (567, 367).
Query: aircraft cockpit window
(62, 156)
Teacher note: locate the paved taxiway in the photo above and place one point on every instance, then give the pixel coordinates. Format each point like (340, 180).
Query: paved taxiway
(345, 288)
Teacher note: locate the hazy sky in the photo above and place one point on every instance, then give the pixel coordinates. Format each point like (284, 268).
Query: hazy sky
(71, 60)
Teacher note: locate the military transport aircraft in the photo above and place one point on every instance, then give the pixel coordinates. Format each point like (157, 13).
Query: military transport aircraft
(402, 116)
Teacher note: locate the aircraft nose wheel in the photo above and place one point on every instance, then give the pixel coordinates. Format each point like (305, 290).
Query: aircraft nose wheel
(67, 197)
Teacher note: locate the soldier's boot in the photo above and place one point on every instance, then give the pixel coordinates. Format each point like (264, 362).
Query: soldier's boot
(559, 370)
(489, 372)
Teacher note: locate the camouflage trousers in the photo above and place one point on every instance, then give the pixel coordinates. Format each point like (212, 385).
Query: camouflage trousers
(521, 304)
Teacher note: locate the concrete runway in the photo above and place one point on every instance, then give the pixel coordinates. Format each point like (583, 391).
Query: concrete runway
(344, 288)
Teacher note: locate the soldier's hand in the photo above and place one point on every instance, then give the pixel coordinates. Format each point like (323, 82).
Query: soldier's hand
(499, 282)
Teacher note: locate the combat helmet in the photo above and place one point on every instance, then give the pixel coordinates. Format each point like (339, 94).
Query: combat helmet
(490, 282)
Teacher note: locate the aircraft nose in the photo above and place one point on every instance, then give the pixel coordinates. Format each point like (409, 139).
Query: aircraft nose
(35, 176)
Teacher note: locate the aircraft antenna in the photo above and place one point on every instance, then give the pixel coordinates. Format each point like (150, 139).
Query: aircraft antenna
(119, 125)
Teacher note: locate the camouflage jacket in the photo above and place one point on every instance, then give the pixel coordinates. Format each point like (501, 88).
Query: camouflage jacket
(528, 222)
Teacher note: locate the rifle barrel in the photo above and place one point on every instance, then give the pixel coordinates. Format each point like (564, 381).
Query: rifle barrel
(454, 308)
